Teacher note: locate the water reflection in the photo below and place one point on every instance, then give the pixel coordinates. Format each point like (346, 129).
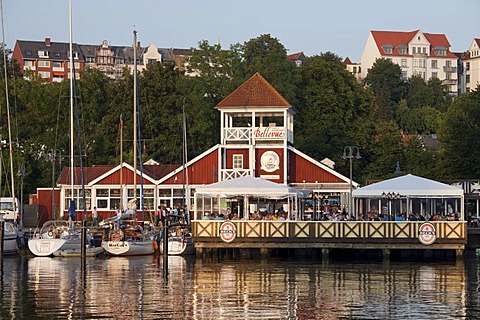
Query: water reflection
(196, 288)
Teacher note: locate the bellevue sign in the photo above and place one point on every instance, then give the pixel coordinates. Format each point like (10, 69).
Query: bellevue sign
(269, 133)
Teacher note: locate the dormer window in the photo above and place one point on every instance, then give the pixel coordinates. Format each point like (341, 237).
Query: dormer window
(28, 53)
(75, 55)
(402, 49)
(388, 49)
(440, 51)
(42, 53)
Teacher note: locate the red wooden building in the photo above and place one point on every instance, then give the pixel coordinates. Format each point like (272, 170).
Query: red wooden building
(256, 139)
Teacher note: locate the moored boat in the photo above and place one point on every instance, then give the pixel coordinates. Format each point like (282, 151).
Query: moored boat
(56, 235)
(10, 238)
(179, 242)
(129, 240)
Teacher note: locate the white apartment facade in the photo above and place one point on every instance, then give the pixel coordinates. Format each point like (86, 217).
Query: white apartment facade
(471, 66)
(417, 53)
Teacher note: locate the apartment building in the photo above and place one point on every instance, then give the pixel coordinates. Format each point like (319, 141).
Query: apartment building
(471, 66)
(50, 60)
(417, 53)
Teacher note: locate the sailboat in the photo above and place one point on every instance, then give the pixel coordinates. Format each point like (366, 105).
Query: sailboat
(128, 238)
(179, 238)
(61, 237)
(8, 206)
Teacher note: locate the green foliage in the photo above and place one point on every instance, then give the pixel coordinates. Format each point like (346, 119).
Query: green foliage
(385, 79)
(459, 135)
(336, 111)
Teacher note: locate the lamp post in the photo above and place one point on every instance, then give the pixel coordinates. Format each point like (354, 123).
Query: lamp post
(52, 156)
(348, 152)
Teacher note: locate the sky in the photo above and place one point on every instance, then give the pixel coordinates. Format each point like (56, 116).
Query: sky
(311, 26)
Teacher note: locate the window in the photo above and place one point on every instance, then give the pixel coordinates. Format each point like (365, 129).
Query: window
(414, 50)
(90, 59)
(78, 198)
(434, 75)
(57, 54)
(28, 63)
(75, 64)
(43, 53)
(402, 49)
(238, 161)
(415, 62)
(388, 49)
(403, 62)
(467, 78)
(151, 61)
(44, 74)
(404, 74)
(28, 53)
(354, 69)
(57, 64)
(44, 64)
(75, 55)
(434, 64)
(467, 66)
(448, 63)
(424, 50)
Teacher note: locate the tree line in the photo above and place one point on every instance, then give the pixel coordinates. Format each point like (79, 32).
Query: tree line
(383, 115)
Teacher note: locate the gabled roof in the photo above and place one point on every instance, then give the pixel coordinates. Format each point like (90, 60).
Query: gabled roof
(347, 61)
(57, 50)
(255, 92)
(409, 186)
(154, 172)
(398, 38)
(297, 56)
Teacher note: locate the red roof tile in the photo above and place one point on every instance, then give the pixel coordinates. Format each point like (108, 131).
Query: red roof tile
(397, 38)
(294, 56)
(255, 92)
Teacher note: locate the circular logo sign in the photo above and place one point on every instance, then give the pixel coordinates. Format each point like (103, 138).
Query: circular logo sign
(270, 161)
(427, 233)
(228, 231)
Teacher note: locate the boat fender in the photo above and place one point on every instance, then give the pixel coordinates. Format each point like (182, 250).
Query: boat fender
(155, 245)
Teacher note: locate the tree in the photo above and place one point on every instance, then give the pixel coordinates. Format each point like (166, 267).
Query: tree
(459, 135)
(266, 55)
(386, 151)
(336, 111)
(385, 79)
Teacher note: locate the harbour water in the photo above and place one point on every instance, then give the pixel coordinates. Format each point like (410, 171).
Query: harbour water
(238, 288)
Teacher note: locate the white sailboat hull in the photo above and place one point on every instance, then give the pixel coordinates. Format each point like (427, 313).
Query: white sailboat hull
(178, 246)
(128, 248)
(46, 247)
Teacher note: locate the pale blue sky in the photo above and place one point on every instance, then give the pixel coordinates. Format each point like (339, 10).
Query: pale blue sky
(309, 26)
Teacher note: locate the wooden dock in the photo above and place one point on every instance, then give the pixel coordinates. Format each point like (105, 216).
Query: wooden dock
(383, 235)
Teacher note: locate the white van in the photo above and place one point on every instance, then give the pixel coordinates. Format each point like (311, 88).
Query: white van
(9, 208)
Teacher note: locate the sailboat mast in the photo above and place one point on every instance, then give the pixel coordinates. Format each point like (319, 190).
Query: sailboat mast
(135, 114)
(71, 101)
(8, 115)
(121, 163)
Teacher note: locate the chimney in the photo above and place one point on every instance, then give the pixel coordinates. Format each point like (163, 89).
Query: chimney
(47, 42)
(138, 44)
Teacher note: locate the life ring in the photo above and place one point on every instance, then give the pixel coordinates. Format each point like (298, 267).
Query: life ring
(50, 234)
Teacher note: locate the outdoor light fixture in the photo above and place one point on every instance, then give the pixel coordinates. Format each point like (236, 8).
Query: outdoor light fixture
(348, 152)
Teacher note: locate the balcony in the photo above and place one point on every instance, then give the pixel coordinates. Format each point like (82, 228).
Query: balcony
(450, 69)
(228, 174)
(237, 134)
(450, 82)
(33, 68)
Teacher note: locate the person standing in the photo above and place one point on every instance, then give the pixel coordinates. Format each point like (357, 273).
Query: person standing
(95, 217)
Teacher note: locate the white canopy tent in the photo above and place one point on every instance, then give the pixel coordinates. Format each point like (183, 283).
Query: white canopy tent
(247, 187)
(412, 187)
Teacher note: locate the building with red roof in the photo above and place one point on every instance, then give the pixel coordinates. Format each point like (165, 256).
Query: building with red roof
(471, 66)
(256, 139)
(427, 55)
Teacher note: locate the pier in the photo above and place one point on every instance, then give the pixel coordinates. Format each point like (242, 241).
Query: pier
(327, 235)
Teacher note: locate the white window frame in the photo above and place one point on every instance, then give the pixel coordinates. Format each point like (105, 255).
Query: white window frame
(237, 161)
